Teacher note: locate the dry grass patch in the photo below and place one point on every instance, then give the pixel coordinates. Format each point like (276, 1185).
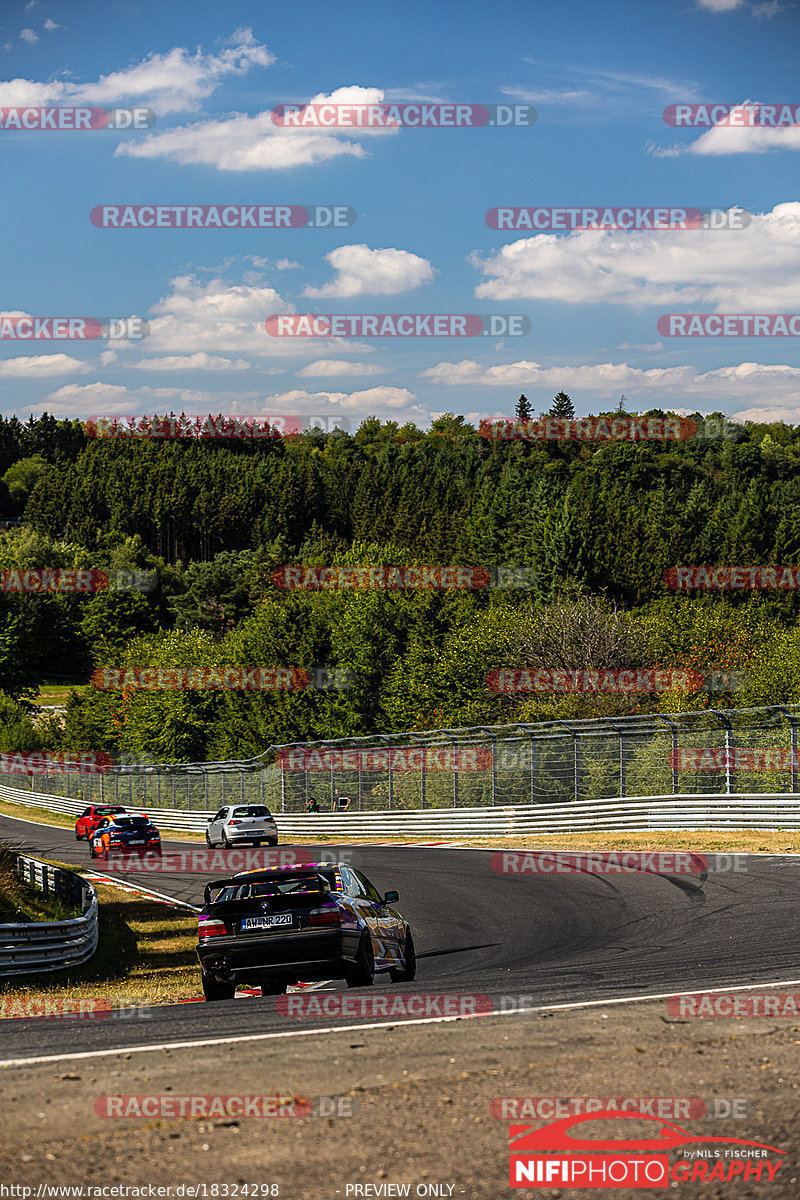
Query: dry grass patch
(146, 955)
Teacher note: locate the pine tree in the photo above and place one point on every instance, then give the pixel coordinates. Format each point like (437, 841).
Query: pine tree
(562, 407)
(524, 410)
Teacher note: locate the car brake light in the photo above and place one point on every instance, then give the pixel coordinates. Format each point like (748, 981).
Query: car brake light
(211, 929)
(234, 822)
(324, 916)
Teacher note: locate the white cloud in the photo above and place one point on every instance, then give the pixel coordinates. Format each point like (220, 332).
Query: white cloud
(746, 383)
(215, 315)
(191, 362)
(50, 25)
(41, 366)
(361, 271)
(762, 12)
(108, 357)
(92, 399)
(745, 139)
(243, 143)
(29, 35)
(287, 264)
(173, 82)
(744, 270)
(332, 367)
(98, 398)
(373, 400)
(549, 95)
(720, 5)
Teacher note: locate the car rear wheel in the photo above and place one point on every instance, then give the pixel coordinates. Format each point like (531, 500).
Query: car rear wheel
(273, 989)
(363, 973)
(272, 841)
(92, 850)
(410, 959)
(214, 989)
(225, 841)
(78, 837)
(208, 839)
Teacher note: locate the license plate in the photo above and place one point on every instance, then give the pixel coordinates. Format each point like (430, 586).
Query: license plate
(266, 922)
(137, 842)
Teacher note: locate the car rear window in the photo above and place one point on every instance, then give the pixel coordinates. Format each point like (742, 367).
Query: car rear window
(133, 822)
(252, 810)
(310, 883)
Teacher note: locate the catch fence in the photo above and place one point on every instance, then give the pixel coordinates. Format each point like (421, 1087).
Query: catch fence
(557, 762)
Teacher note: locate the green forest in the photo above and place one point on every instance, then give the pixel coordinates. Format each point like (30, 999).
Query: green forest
(584, 533)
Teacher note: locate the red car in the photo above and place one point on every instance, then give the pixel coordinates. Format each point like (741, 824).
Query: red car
(89, 820)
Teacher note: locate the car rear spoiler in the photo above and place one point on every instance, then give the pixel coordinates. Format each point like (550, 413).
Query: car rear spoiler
(217, 883)
(221, 883)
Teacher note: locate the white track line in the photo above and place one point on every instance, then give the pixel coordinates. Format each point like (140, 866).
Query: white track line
(126, 885)
(292, 1033)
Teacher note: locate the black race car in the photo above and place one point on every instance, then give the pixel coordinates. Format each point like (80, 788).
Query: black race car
(274, 927)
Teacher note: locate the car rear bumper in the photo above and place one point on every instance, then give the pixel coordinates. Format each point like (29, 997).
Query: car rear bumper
(315, 954)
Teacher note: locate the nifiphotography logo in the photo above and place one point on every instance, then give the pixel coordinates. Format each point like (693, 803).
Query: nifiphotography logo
(574, 1161)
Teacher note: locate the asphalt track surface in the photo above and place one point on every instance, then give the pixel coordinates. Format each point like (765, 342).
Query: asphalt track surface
(551, 939)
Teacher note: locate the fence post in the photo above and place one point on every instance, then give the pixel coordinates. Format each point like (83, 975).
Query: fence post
(725, 722)
(623, 770)
(493, 736)
(674, 755)
(576, 773)
(793, 726)
(283, 787)
(423, 775)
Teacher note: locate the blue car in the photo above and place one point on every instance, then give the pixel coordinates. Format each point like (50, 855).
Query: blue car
(120, 834)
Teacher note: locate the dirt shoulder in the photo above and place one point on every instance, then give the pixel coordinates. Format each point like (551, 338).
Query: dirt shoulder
(423, 1102)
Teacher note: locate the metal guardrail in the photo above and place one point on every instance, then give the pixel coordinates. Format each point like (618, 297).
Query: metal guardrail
(32, 947)
(563, 761)
(685, 812)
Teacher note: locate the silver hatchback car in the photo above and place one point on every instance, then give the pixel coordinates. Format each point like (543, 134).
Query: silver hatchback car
(237, 823)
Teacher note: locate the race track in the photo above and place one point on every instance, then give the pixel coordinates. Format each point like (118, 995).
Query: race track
(551, 938)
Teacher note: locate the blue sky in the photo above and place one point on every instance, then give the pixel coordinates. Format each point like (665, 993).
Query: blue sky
(599, 75)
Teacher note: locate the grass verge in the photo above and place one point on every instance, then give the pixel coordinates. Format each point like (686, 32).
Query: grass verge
(146, 955)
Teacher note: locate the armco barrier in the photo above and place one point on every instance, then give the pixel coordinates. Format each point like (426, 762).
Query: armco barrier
(36, 946)
(722, 810)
